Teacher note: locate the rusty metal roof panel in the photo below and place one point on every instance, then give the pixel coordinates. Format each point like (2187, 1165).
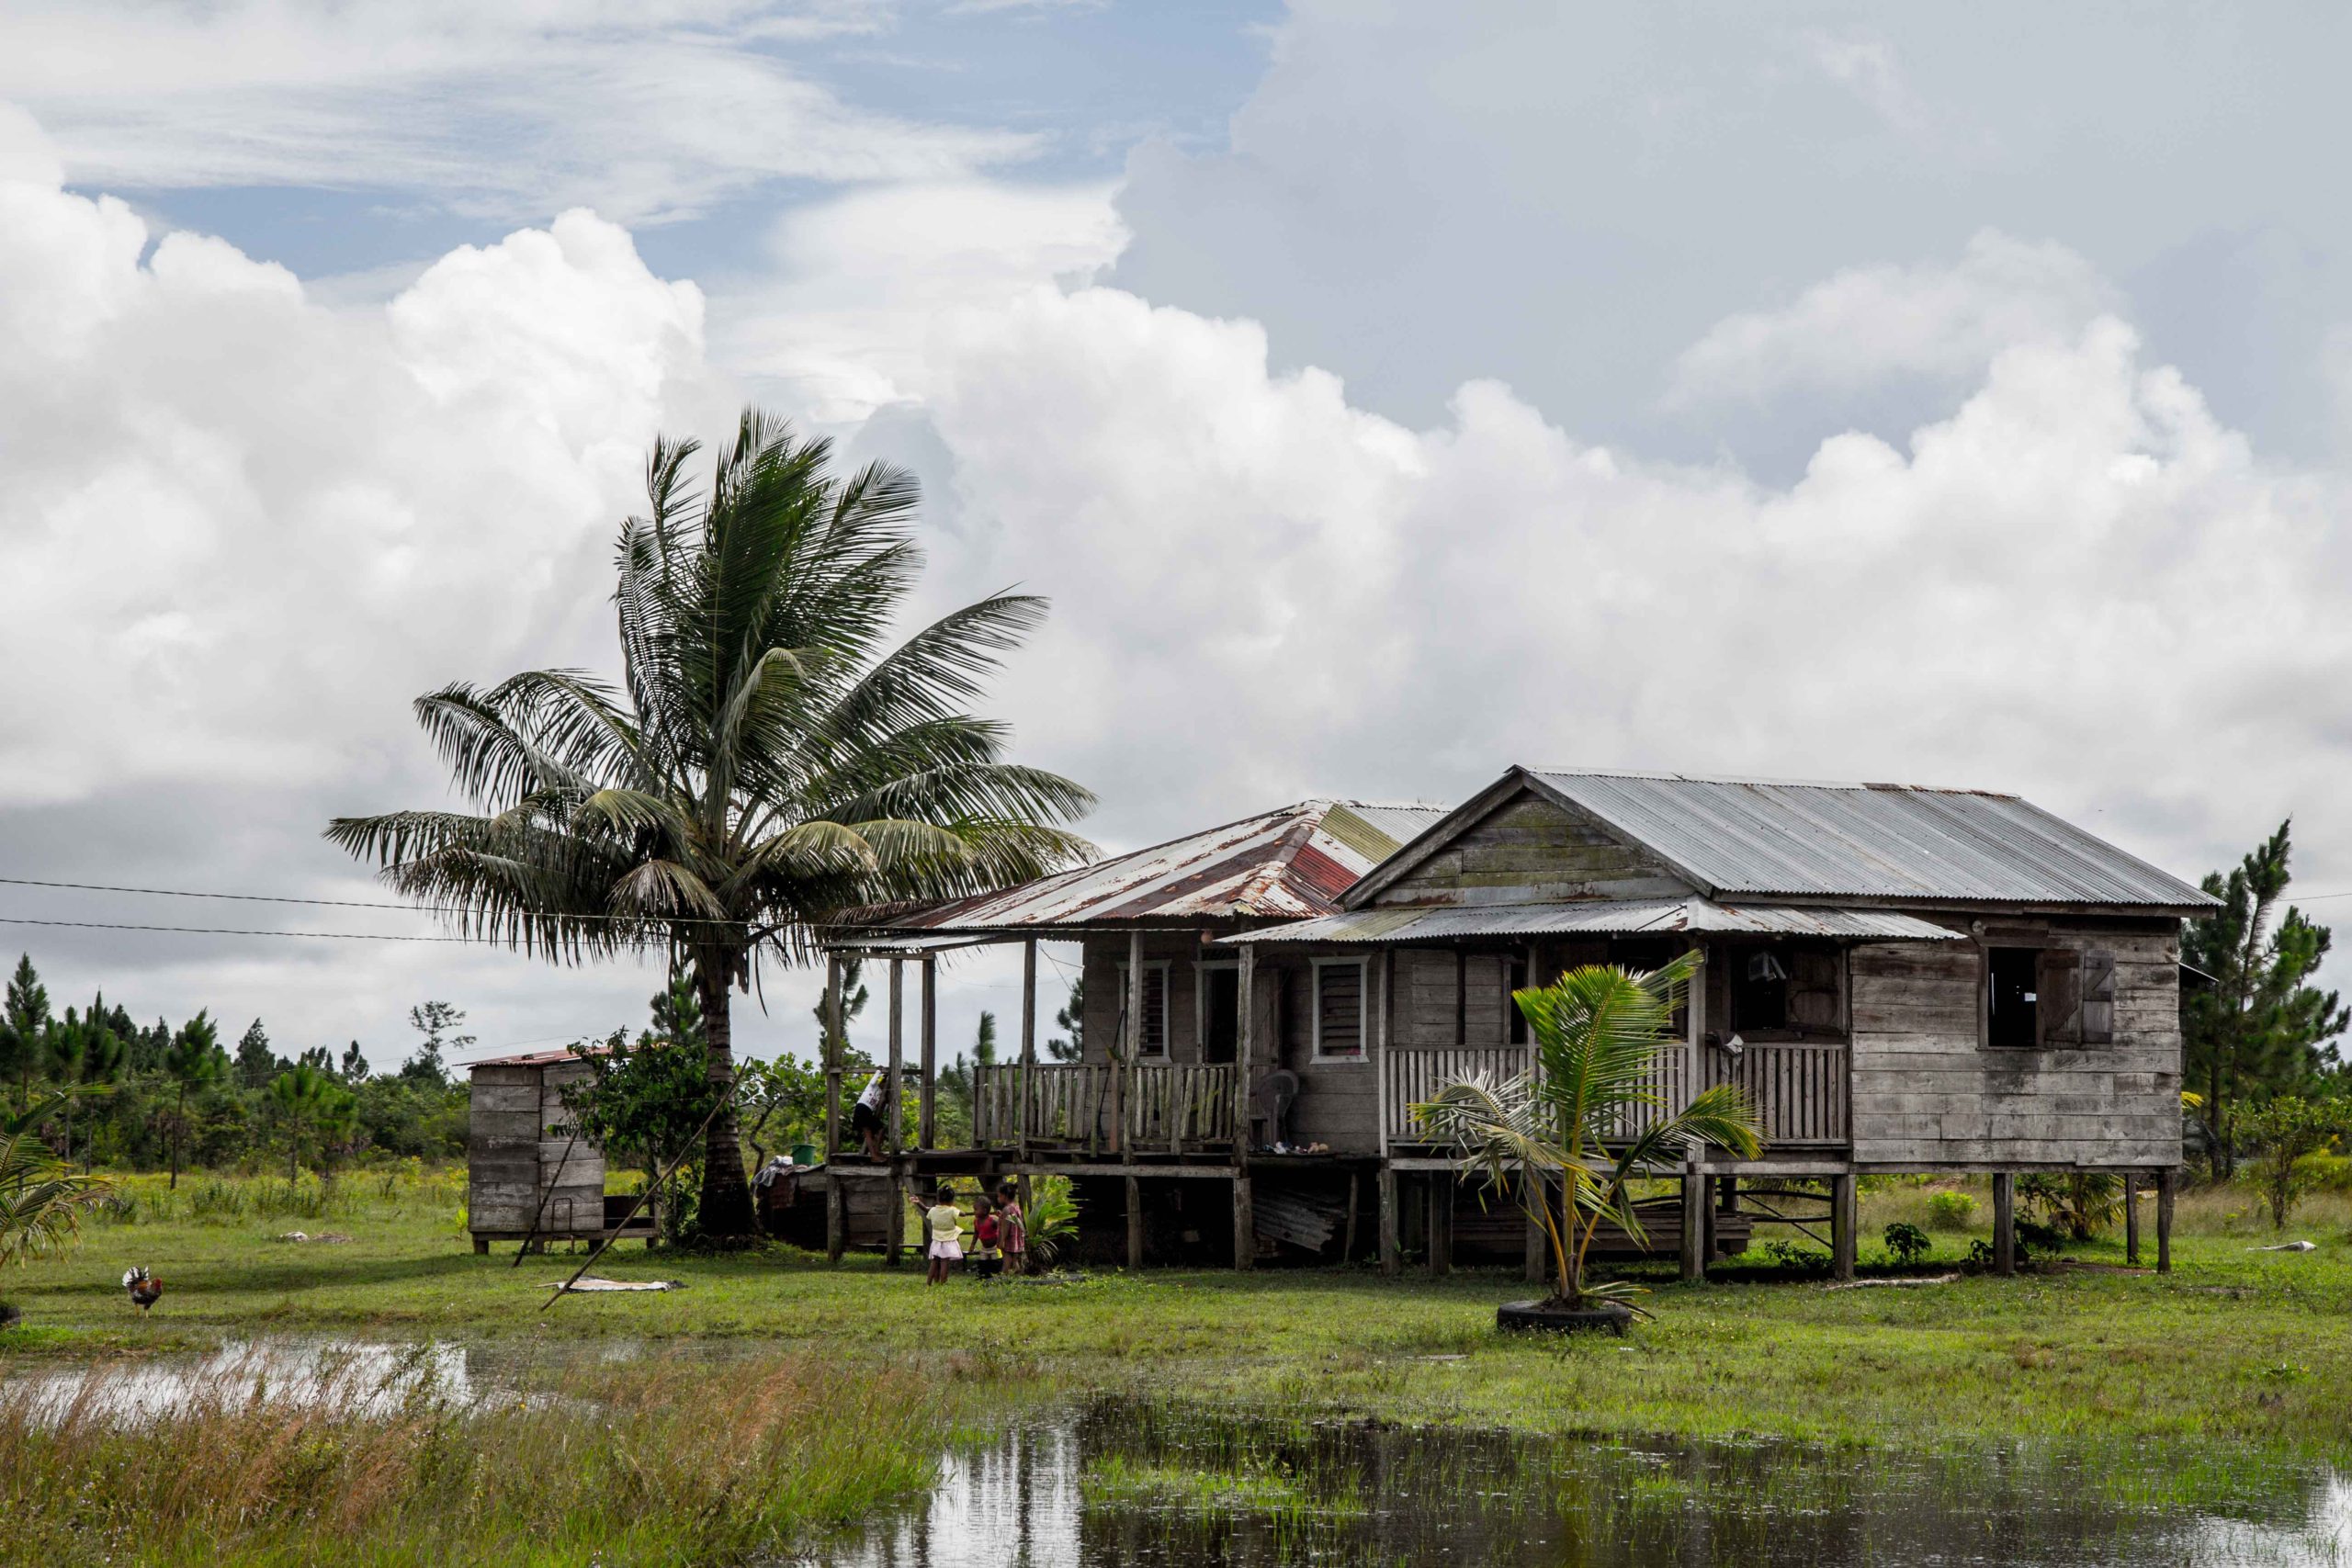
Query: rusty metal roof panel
(1396, 926)
(1291, 863)
(1766, 837)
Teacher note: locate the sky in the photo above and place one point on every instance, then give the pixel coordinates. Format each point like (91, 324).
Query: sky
(1382, 393)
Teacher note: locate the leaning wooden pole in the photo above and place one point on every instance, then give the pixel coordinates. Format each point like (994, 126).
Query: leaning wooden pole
(1245, 1214)
(638, 1207)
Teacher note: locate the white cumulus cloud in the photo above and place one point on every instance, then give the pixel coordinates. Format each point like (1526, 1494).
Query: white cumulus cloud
(1864, 326)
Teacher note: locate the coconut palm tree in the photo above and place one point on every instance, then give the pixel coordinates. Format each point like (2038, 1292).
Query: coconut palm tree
(1587, 1114)
(767, 759)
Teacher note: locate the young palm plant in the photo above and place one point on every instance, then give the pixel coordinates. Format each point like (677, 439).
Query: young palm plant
(41, 1196)
(1587, 1114)
(766, 761)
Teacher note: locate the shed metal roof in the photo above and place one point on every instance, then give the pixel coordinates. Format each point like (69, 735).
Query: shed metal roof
(1659, 917)
(1761, 838)
(1286, 865)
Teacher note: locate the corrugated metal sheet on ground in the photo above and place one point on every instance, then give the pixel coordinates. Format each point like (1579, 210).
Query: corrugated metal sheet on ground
(1646, 917)
(1291, 863)
(1758, 837)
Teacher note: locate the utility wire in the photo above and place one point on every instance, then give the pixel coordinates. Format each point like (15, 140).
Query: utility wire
(225, 931)
(336, 903)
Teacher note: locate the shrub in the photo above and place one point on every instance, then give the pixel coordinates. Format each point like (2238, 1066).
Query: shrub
(1950, 1210)
(1797, 1260)
(2288, 1131)
(1906, 1243)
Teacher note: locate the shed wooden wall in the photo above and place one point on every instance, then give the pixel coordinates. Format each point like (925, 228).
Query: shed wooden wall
(1929, 1095)
(512, 1156)
(1530, 850)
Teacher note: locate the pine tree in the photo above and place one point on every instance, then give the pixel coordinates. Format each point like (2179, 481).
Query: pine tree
(355, 1065)
(195, 1060)
(24, 1029)
(1071, 1046)
(2258, 1029)
(434, 1020)
(255, 1063)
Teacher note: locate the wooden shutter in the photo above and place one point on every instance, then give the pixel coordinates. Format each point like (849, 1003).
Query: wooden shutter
(1339, 1009)
(2098, 997)
(2058, 1000)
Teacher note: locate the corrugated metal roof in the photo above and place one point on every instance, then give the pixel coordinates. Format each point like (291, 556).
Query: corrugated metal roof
(1287, 864)
(535, 1058)
(1758, 837)
(1648, 917)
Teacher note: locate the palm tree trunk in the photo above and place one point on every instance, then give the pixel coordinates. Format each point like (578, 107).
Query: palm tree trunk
(725, 1210)
(179, 1126)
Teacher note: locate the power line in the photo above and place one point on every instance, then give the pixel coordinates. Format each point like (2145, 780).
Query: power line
(339, 903)
(225, 931)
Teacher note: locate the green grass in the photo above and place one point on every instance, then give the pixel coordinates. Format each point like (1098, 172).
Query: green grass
(2237, 1347)
(659, 1462)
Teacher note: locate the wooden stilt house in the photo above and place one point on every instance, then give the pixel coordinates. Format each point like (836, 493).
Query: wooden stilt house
(1902, 979)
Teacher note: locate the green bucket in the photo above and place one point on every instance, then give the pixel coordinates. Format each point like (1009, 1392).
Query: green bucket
(804, 1153)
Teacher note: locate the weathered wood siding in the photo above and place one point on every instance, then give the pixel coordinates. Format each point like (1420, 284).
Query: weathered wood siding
(516, 1143)
(1929, 1095)
(1530, 850)
(1105, 958)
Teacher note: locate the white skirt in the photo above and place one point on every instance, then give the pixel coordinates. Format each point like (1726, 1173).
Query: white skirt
(951, 1250)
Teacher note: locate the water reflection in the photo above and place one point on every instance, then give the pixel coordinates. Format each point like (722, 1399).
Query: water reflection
(1123, 1484)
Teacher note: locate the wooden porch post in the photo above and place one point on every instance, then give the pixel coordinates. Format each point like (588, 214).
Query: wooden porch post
(2166, 1180)
(1128, 1048)
(1245, 1213)
(1028, 1056)
(1694, 1222)
(2005, 1222)
(895, 1231)
(1135, 1222)
(836, 1217)
(1441, 1223)
(833, 1055)
(1385, 1187)
(1845, 1219)
(927, 1124)
(2130, 1217)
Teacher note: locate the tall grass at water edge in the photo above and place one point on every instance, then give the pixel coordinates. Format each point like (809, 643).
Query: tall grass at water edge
(654, 1463)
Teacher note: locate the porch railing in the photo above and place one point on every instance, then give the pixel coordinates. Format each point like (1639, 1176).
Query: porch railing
(1798, 1088)
(1168, 1106)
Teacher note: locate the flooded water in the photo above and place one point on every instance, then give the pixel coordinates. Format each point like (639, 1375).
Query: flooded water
(368, 1378)
(1121, 1484)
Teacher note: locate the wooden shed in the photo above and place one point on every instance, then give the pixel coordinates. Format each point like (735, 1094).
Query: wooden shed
(529, 1178)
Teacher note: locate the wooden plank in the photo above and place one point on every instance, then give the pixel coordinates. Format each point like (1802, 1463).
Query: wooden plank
(1692, 1238)
(892, 1121)
(1245, 1225)
(2165, 1181)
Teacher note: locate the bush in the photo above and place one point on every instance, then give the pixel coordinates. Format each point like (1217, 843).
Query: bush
(1950, 1210)
(1805, 1260)
(1906, 1243)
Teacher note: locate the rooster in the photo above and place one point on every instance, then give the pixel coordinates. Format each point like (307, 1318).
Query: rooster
(144, 1288)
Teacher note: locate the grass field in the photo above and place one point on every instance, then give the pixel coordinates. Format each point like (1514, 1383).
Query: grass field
(2238, 1347)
